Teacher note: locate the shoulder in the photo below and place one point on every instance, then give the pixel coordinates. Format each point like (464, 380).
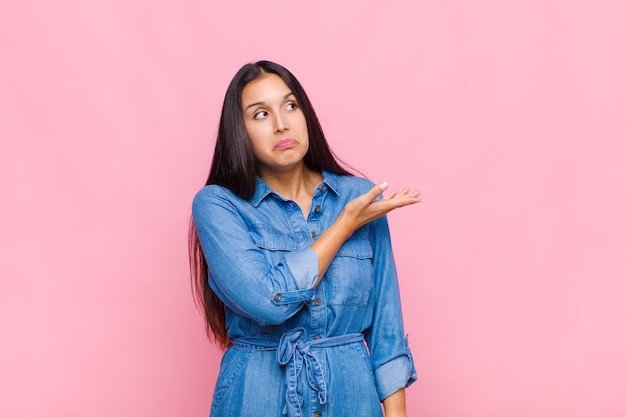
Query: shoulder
(211, 195)
(210, 191)
(355, 181)
(352, 185)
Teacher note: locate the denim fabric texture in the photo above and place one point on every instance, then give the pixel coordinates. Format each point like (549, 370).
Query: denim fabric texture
(336, 350)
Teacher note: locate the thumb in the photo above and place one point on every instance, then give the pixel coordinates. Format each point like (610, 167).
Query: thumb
(378, 189)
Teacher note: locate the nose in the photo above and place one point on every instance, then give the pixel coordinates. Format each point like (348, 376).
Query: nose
(280, 124)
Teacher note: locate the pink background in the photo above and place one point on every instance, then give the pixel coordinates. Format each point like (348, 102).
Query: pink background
(508, 115)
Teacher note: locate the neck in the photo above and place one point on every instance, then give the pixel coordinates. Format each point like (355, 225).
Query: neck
(295, 184)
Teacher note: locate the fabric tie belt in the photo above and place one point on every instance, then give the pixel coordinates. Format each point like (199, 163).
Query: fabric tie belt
(292, 351)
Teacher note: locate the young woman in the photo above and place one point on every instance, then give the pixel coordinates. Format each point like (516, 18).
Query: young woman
(292, 261)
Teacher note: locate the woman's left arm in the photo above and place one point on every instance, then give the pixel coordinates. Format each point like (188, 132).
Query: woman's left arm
(395, 404)
(390, 354)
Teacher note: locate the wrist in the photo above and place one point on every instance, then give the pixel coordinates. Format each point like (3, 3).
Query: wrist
(345, 225)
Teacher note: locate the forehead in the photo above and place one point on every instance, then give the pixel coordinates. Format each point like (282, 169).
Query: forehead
(266, 89)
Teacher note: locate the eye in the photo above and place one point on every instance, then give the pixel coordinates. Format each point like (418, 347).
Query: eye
(291, 106)
(260, 115)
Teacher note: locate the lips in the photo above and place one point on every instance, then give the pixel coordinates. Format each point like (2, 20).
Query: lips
(285, 144)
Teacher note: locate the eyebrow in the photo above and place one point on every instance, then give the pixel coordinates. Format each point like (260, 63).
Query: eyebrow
(291, 93)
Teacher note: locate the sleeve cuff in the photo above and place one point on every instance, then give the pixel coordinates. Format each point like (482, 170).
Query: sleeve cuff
(395, 374)
(304, 267)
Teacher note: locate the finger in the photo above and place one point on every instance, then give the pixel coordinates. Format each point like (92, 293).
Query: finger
(407, 197)
(406, 192)
(406, 201)
(378, 190)
(413, 197)
(410, 193)
(391, 195)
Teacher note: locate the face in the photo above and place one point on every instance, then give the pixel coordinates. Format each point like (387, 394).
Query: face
(275, 124)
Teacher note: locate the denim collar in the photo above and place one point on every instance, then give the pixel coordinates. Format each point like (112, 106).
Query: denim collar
(263, 190)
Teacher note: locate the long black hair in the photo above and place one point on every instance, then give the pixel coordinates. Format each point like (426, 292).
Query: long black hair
(234, 167)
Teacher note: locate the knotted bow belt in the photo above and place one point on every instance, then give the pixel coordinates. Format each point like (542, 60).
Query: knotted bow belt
(292, 351)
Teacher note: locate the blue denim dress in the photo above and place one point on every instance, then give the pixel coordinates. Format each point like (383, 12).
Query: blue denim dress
(336, 350)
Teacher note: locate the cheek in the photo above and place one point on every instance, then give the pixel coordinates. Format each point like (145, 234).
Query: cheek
(258, 141)
(301, 123)
(305, 130)
(254, 134)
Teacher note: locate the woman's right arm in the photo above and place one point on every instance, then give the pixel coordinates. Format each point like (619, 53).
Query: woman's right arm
(355, 214)
(239, 272)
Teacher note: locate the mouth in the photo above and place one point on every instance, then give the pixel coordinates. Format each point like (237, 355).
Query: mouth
(285, 144)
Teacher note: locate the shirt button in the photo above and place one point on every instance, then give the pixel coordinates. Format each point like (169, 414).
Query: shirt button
(313, 235)
(318, 413)
(277, 297)
(320, 188)
(317, 337)
(317, 209)
(318, 301)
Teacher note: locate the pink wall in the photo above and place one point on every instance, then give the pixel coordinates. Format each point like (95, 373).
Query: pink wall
(509, 116)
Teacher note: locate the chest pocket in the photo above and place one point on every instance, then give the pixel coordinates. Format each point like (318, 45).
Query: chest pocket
(351, 273)
(272, 241)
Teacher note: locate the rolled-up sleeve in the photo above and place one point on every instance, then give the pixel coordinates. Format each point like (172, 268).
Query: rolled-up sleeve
(395, 374)
(304, 267)
(239, 272)
(391, 357)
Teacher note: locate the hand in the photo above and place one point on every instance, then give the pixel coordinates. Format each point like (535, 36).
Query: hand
(355, 214)
(366, 207)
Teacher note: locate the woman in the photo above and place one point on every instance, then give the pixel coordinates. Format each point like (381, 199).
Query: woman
(292, 260)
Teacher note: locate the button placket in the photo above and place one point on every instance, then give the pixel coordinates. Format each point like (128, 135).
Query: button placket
(314, 217)
(315, 224)
(298, 222)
